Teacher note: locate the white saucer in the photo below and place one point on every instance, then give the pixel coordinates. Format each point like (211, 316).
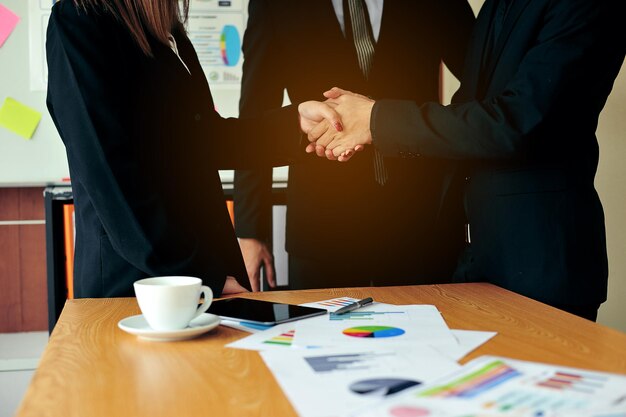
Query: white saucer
(137, 325)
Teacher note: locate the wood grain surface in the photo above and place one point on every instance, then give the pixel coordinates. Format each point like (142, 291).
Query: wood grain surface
(91, 368)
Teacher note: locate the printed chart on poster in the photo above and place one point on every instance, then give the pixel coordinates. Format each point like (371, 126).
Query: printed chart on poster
(215, 28)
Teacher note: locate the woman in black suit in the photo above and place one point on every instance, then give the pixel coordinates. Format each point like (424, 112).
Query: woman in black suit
(144, 143)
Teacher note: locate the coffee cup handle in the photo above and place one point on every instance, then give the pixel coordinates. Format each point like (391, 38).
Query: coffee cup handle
(208, 298)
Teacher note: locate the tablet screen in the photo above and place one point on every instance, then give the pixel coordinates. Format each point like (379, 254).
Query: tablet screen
(256, 311)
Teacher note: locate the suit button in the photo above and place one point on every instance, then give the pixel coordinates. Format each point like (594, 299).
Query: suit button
(197, 117)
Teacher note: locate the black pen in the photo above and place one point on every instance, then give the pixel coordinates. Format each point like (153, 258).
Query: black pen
(354, 306)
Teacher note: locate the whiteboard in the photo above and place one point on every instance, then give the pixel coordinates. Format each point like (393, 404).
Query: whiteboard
(42, 160)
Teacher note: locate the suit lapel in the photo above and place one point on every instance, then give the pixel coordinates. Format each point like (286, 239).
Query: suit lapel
(167, 55)
(388, 25)
(392, 13)
(321, 16)
(328, 19)
(477, 48)
(510, 21)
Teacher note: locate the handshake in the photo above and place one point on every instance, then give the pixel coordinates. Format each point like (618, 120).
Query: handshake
(338, 127)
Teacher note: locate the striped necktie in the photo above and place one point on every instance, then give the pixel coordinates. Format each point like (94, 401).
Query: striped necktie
(358, 25)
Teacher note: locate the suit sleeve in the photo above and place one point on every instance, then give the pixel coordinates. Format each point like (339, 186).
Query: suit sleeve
(564, 69)
(262, 88)
(88, 98)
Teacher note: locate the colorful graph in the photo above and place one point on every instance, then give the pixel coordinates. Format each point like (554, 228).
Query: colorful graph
(230, 45)
(373, 331)
(476, 383)
(566, 381)
(284, 339)
(337, 302)
(538, 403)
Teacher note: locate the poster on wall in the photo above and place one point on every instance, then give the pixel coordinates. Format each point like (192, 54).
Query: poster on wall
(215, 28)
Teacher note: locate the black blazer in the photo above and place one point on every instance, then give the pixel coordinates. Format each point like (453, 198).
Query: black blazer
(144, 144)
(395, 231)
(527, 118)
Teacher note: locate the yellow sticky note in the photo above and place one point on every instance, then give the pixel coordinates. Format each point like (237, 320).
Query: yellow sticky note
(19, 118)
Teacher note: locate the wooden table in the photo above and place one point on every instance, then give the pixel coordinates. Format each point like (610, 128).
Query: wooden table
(91, 368)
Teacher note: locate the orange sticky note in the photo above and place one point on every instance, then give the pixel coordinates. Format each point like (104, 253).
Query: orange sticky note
(8, 21)
(19, 118)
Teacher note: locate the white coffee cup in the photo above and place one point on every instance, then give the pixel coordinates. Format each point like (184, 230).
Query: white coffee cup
(170, 303)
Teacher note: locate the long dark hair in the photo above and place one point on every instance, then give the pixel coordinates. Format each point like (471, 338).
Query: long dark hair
(157, 17)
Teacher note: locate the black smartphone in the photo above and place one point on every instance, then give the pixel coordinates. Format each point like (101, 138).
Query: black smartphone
(263, 312)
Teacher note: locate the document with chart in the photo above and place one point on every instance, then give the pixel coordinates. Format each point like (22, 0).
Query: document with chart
(333, 382)
(380, 325)
(282, 336)
(493, 386)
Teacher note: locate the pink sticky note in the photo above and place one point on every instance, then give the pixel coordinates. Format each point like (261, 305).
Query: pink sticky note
(8, 21)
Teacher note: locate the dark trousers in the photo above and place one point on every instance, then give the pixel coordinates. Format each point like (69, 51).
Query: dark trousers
(308, 274)
(305, 273)
(586, 311)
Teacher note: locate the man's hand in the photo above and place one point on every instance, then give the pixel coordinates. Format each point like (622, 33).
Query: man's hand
(355, 111)
(231, 286)
(257, 254)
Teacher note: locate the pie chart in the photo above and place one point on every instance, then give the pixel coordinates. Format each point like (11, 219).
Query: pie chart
(230, 45)
(373, 331)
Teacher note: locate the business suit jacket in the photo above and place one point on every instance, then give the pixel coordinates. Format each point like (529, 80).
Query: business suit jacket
(527, 118)
(144, 144)
(397, 231)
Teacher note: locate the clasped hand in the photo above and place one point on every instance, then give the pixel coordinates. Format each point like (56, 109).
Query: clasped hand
(338, 127)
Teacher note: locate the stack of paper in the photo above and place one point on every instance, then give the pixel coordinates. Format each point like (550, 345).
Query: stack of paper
(334, 364)
(400, 361)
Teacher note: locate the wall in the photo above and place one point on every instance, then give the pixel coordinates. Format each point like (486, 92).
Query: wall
(41, 159)
(611, 185)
